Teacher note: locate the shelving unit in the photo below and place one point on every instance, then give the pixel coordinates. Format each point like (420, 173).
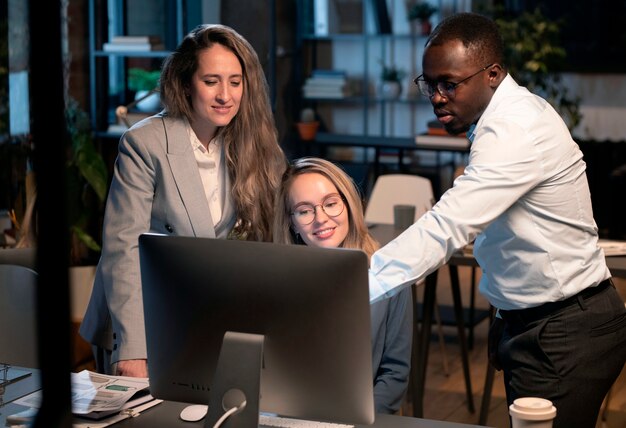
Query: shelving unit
(382, 129)
(360, 54)
(108, 71)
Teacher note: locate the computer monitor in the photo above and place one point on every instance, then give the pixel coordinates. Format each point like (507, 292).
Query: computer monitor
(309, 306)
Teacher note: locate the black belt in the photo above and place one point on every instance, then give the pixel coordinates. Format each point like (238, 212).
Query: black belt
(529, 315)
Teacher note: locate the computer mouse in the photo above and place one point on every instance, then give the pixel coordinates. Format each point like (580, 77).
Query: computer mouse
(194, 413)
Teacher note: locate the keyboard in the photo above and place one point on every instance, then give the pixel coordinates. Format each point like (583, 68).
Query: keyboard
(280, 422)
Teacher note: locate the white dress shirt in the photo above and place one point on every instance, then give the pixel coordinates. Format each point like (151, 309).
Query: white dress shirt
(211, 166)
(524, 197)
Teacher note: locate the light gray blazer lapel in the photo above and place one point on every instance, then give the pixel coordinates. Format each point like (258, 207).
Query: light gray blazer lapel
(187, 177)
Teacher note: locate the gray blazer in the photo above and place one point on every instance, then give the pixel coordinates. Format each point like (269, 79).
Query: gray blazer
(156, 187)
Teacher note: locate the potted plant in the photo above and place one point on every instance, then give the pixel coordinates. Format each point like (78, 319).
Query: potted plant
(308, 125)
(419, 14)
(533, 55)
(145, 84)
(87, 185)
(391, 78)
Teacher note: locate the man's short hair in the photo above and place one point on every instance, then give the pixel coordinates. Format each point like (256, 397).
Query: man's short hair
(479, 34)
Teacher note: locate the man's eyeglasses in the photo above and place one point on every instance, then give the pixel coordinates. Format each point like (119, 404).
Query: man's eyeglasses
(446, 89)
(304, 214)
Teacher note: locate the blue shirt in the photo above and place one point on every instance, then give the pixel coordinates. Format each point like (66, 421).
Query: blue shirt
(523, 197)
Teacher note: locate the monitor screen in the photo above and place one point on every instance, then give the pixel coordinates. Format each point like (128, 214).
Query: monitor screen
(311, 306)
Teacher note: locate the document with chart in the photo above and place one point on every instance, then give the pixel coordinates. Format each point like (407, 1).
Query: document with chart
(96, 396)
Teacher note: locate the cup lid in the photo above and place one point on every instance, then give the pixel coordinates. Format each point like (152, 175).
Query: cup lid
(532, 408)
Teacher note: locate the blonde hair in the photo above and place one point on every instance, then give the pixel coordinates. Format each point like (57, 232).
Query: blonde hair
(254, 158)
(358, 236)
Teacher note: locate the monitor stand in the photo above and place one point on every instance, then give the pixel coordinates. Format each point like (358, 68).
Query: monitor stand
(237, 378)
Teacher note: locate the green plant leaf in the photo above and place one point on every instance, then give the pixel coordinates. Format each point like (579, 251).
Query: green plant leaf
(534, 57)
(143, 80)
(86, 238)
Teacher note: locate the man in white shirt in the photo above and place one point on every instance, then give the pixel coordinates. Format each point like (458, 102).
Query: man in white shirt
(524, 198)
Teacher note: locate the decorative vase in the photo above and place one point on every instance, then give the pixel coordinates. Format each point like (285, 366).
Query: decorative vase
(307, 130)
(390, 89)
(150, 103)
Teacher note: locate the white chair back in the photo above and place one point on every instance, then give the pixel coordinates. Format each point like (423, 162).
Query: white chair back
(395, 189)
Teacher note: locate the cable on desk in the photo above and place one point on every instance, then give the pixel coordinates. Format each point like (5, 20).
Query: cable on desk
(229, 413)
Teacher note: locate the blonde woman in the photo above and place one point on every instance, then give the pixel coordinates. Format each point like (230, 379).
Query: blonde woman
(318, 204)
(208, 165)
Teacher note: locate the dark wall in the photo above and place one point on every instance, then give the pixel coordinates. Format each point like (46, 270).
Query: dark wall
(254, 20)
(592, 31)
(606, 173)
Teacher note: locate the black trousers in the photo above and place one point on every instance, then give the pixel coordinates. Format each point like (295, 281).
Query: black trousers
(568, 352)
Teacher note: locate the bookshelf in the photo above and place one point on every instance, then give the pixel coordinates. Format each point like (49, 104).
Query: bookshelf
(364, 118)
(125, 34)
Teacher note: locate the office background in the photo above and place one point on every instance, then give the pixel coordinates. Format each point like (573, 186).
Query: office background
(602, 89)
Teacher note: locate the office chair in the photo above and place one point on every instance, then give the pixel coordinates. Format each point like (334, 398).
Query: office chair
(19, 256)
(395, 189)
(18, 323)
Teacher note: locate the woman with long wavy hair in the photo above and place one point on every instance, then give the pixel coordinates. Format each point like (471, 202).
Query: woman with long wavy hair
(208, 165)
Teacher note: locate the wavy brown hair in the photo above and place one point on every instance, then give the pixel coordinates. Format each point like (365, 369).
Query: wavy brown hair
(358, 236)
(254, 158)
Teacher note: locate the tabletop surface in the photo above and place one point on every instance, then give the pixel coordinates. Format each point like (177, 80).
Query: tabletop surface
(166, 414)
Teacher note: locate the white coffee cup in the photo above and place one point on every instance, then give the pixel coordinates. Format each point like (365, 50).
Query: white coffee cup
(532, 412)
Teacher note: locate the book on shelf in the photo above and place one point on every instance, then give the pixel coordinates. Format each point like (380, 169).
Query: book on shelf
(155, 40)
(327, 84)
(331, 95)
(328, 73)
(381, 16)
(349, 16)
(116, 128)
(322, 83)
(132, 47)
(337, 17)
(324, 17)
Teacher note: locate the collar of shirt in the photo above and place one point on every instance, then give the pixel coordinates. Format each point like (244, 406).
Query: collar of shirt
(213, 147)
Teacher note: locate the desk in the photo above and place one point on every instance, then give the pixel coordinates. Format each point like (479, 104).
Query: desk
(401, 144)
(17, 389)
(165, 415)
(385, 233)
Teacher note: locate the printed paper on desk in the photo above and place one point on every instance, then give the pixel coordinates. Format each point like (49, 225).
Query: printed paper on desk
(94, 392)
